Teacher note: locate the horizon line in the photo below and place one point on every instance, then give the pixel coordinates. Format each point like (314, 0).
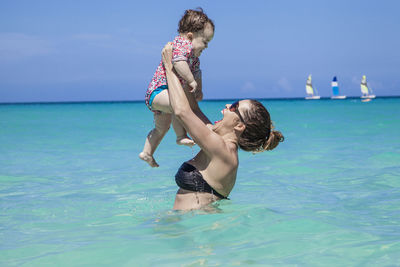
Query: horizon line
(204, 100)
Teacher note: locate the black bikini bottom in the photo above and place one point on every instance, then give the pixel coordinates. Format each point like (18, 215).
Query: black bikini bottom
(189, 178)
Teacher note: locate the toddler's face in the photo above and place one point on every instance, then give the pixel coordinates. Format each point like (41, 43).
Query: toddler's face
(201, 39)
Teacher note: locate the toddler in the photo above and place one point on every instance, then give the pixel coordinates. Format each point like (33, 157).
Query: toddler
(196, 30)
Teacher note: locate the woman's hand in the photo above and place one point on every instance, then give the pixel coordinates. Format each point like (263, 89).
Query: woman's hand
(167, 56)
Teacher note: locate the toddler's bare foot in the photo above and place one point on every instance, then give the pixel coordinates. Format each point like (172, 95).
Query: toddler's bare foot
(185, 141)
(149, 159)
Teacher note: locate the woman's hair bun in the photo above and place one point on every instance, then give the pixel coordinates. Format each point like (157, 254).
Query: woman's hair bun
(275, 137)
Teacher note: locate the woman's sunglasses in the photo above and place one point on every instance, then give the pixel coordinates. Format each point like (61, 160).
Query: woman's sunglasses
(235, 108)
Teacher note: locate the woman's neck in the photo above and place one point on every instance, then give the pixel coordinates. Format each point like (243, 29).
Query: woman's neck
(228, 135)
(230, 138)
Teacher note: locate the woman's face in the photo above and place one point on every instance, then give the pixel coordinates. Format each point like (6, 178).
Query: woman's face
(201, 39)
(233, 114)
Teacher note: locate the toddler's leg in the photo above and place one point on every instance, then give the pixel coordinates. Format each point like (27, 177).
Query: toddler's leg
(181, 135)
(162, 124)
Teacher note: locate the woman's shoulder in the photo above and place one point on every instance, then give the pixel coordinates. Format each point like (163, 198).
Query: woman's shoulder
(227, 157)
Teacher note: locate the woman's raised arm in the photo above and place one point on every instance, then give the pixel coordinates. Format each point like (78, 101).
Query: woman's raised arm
(209, 141)
(177, 97)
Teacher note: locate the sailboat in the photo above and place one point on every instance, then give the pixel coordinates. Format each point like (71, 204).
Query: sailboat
(335, 90)
(310, 90)
(366, 92)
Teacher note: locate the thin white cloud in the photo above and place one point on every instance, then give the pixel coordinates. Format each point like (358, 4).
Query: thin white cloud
(106, 41)
(283, 83)
(248, 87)
(121, 42)
(16, 46)
(356, 80)
(92, 37)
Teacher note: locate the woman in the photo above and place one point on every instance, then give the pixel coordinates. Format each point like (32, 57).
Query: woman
(211, 174)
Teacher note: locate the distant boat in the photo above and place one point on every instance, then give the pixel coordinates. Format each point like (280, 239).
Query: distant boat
(335, 90)
(310, 90)
(365, 90)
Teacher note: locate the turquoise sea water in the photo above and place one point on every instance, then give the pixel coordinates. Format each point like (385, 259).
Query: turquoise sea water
(74, 193)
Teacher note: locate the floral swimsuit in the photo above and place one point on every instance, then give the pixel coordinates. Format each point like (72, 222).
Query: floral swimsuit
(181, 50)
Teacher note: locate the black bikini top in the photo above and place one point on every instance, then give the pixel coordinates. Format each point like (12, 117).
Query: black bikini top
(189, 178)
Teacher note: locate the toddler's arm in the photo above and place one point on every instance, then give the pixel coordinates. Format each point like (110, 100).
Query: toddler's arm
(182, 68)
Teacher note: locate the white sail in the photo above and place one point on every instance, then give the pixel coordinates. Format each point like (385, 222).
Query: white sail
(335, 90)
(365, 90)
(310, 90)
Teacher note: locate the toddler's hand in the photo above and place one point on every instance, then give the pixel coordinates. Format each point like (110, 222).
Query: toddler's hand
(193, 85)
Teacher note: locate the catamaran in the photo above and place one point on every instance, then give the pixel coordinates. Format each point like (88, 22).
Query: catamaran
(335, 90)
(365, 90)
(310, 90)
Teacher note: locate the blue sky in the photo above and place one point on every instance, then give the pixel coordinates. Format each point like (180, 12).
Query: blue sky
(108, 50)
